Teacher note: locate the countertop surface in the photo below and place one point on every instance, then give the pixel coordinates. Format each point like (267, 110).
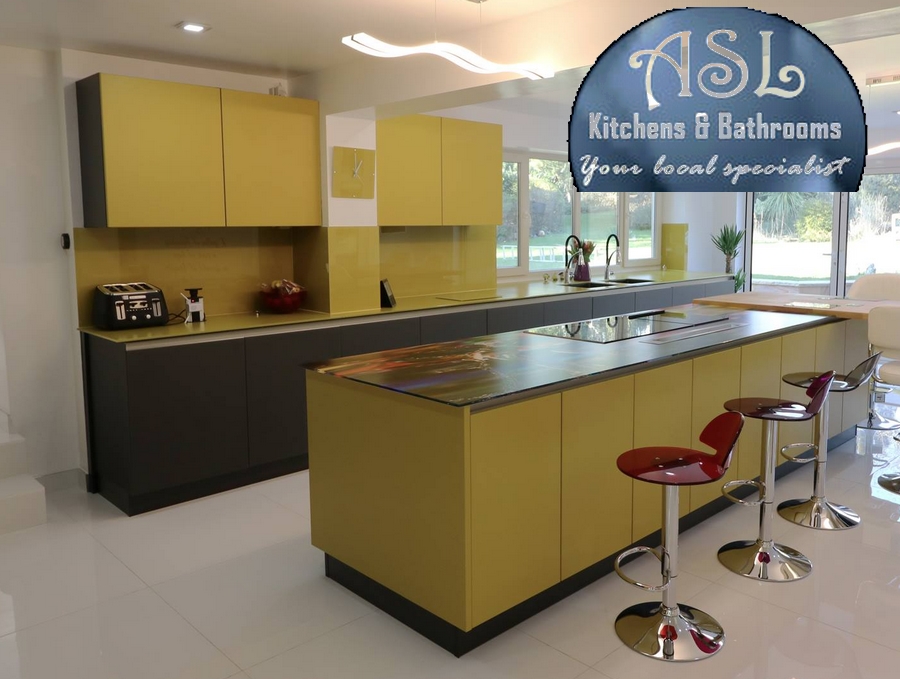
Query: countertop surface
(482, 370)
(505, 291)
(821, 305)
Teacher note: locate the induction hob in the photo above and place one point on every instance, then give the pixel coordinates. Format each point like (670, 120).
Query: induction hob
(618, 328)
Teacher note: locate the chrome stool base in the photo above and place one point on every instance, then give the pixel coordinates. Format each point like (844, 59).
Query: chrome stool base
(818, 513)
(680, 634)
(890, 482)
(770, 562)
(878, 422)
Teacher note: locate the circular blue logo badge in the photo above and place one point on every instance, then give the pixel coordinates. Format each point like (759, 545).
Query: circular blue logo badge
(717, 99)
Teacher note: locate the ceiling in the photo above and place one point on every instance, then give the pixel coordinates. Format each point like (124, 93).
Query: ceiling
(290, 37)
(268, 37)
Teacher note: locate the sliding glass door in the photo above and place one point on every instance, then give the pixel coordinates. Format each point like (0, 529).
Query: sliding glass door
(873, 240)
(794, 242)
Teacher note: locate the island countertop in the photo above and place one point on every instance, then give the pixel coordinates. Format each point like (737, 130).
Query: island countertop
(487, 371)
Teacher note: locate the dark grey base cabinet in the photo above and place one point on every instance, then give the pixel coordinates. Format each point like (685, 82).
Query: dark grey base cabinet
(276, 391)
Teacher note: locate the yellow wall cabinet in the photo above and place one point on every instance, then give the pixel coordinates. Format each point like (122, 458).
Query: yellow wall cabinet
(152, 154)
(271, 151)
(435, 171)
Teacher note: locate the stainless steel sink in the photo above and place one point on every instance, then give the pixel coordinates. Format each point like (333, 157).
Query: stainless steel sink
(590, 284)
(627, 281)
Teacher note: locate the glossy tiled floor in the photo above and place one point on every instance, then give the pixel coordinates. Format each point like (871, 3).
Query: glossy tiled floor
(229, 586)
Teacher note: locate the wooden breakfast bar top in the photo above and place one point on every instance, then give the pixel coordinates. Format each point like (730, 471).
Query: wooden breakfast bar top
(818, 305)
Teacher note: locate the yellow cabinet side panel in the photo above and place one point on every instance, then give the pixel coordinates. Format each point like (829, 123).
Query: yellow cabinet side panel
(798, 354)
(397, 513)
(830, 356)
(408, 170)
(271, 147)
(760, 376)
(515, 503)
(471, 162)
(598, 424)
(162, 151)
(717, 378)
(662, 417)
(856, 349)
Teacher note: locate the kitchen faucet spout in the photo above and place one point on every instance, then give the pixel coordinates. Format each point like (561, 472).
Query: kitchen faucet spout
(609, 255)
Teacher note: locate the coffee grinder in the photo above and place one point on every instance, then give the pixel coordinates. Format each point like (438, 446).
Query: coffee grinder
(193, 306)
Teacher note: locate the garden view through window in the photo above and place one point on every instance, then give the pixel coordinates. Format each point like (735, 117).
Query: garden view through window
(541, 208)
(794, 236)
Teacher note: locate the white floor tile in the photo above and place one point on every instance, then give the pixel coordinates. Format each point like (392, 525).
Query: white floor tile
(764, 641)
(373, 647)
(164, 544)
(262, 604)
(512, 655)
(291, 491)
(852, 587)
(54, 569)
(582, 625)
(136, 636)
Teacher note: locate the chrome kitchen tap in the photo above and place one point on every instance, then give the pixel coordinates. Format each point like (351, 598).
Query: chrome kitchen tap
(608, 255)
(571, 258)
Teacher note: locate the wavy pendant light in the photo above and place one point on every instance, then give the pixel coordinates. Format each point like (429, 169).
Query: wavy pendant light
(457, 54)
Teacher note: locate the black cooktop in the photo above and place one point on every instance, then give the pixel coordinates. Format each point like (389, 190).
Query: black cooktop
(618, 328)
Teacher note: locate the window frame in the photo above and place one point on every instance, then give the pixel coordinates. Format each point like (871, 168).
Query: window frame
(840, 236)
(624, 261)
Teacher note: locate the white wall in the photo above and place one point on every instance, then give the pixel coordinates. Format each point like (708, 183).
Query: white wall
(37, 315)
(352, 132)
(4, 380)
(705, 214)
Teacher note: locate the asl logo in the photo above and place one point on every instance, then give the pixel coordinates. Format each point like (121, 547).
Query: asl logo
(785, 74)
(717, 99)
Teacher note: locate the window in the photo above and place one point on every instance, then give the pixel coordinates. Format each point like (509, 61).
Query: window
(873, 242)
(820, 243)
(541, 208)
(792, 242)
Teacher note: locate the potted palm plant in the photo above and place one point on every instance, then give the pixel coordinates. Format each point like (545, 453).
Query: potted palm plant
(727, 241)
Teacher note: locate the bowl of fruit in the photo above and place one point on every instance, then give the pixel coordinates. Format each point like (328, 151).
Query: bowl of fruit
(282, 296)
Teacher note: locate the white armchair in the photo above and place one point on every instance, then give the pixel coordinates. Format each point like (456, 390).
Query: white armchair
(876, 286)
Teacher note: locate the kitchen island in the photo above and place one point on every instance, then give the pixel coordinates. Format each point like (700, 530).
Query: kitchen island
(464, 486)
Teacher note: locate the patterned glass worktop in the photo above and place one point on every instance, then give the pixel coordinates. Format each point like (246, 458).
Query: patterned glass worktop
(481, 369)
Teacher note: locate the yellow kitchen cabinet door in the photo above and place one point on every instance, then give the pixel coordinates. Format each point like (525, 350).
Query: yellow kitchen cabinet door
(662, 417)
(472, 163)
(271, 150)
(596, 496)
(408, 170)
(830, 341)
(515, 499)
(798, 354)
(760, 376)
(717, 378)
(162, 153)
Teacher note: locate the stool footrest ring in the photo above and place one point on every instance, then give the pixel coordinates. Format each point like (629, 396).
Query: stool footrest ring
(795, 458)
(658, 552)
(736, 484)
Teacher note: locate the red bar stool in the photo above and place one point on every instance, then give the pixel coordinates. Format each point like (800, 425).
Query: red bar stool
(817, 511)
(668, 630)
(763, 558)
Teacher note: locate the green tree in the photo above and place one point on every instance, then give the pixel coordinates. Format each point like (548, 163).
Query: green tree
(777, 213)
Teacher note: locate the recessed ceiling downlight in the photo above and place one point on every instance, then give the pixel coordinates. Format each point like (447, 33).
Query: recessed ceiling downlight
(192, 27)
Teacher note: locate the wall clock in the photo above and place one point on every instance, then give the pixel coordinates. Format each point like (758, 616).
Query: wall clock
(353, 173)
